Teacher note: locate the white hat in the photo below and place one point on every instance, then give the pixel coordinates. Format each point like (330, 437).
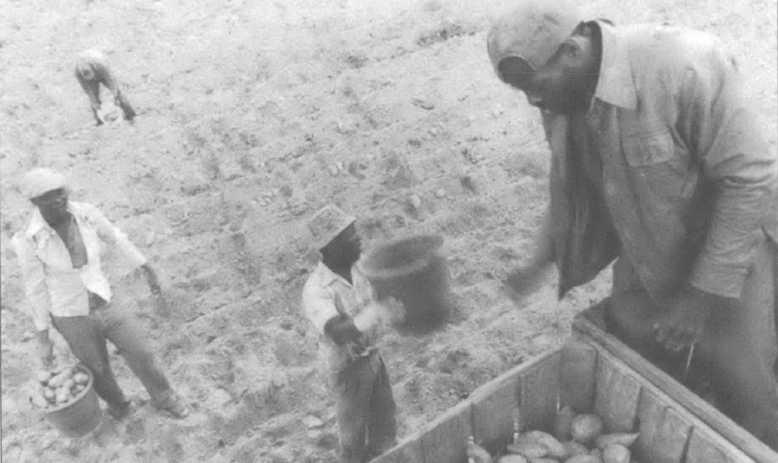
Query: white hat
(328, 223)
(41, 180)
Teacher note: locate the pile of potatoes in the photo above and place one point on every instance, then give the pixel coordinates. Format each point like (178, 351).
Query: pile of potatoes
(59, 386)
(577, 439)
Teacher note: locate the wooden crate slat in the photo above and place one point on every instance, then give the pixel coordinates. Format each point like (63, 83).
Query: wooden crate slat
(409, 451)
(494, 410)
(705, 448)
(445, 439)
(587, 325)
(663, 431)
(577, 367)
(539, 386)
(617, 394)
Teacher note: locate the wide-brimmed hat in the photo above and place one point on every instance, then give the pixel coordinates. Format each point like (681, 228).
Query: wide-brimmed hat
(327, 223)
(41, 180)
(533, 31)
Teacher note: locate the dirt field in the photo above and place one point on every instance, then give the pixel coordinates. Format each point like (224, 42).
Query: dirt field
(252, 115)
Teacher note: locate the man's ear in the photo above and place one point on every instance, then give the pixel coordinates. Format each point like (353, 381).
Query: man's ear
(571, 48)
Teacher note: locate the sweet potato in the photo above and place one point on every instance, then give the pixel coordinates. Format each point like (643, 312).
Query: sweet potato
(586, 428)
(622, 438)
(616, 453)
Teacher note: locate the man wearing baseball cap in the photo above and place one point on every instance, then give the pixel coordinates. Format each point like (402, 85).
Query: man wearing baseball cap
(59, 256)
(342, 306)
(658, 163)
(92, 69)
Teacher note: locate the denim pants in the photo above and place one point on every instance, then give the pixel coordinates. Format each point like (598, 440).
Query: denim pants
(365, 410)
(87, 335)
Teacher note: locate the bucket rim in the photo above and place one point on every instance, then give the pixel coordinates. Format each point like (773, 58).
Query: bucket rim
(82, 369)
(435, 242)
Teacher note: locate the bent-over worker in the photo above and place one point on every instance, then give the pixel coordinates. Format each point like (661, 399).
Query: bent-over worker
(92, 69)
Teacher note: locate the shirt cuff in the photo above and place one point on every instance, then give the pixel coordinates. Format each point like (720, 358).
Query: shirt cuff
(721, 280)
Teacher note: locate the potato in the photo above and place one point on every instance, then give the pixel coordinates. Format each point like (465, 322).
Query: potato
(586, 428)
(48, 393)
(38, 400)
(582, 459)
(622, 438)
(81, 378)
(62, 396)
(555, 448)
(68, 384)
(616, 453)
(563, 423)
(543, 460)
(43, 376)
(512, 459)
(596, 453)
(576, 448)
(528, 448)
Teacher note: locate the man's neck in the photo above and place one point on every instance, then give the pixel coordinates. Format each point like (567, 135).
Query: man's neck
(342, 269)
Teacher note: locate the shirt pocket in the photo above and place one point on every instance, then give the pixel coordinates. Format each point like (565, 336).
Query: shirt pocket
(648, 149)
(659, 170)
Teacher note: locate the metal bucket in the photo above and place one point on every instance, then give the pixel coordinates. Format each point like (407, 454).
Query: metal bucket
(412, 271)
(81, 416)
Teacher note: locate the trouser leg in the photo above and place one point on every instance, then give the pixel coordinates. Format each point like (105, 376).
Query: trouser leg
(382, 427)
(124, 333)
(124, 103)
(353, 390)
(85, 337)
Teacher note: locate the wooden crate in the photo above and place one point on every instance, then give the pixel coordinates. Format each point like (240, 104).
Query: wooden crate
(588, 377)
(590, 325)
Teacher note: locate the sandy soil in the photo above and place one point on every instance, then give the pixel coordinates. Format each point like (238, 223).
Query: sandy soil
(252, 115)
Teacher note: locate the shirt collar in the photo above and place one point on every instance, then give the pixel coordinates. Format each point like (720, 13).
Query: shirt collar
(615, 85)
(328, 276)
(38, 223)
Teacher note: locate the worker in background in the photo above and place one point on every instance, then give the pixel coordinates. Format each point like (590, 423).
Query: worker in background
(92, 69)
(342, 306)
(59, 256)
(658, 163)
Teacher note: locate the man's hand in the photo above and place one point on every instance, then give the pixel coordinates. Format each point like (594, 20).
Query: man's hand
(151, 279)
(341, 330)
(46, 353)
(684, 320)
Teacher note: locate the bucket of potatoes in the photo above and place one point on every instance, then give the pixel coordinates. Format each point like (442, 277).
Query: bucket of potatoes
(66, 396)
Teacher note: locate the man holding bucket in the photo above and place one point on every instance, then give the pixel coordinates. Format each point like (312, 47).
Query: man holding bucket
(59, 256)
(658, 163)
(341, 304)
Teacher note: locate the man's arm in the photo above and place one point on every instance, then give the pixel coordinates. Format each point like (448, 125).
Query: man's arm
(724, 136)
(111, 234)
(34, 276)
(322, 311)
(723, 132)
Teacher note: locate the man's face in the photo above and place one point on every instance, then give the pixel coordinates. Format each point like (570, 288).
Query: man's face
(53, 204)
(560, 85)
(346, 248)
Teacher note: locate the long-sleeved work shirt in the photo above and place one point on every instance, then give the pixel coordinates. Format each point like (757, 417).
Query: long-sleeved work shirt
(52, 284)
(669, 168)
(327, 295)
(102, 75)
